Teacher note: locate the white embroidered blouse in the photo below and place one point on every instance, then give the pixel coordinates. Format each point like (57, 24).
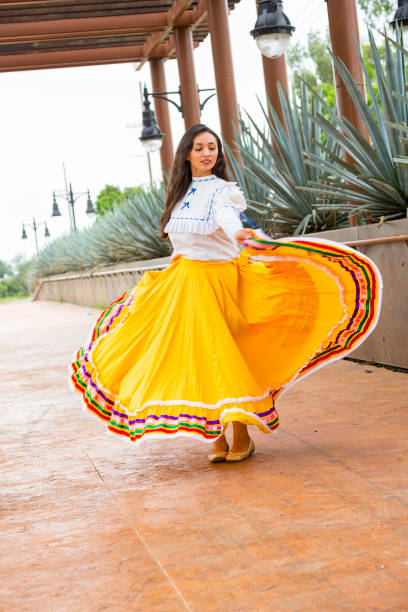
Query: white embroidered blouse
(203, 223)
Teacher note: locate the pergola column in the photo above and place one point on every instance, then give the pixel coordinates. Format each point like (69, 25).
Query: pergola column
(223, 69)
(274, 73)
(188, 84)
(344, 34)
(161, 108)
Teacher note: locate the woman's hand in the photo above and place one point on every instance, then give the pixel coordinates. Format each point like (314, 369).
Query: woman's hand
(242, 235)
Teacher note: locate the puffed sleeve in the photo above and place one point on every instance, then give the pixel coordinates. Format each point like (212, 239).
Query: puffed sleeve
(228, 202)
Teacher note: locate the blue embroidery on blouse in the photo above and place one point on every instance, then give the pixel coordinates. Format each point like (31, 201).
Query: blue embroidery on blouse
(192, 191)
(209, 211)
(185, 204)
(202, 180)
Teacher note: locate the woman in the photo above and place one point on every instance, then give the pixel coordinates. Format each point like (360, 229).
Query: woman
(220, 334)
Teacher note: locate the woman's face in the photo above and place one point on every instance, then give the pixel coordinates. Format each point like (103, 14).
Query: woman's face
(203, 155)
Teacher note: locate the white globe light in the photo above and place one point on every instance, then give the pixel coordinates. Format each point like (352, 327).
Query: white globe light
(152, 145)
(273, 45)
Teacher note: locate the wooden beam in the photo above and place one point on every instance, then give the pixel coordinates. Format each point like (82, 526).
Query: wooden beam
(176, 11)
(69, 36)
(176, 17)
(118, 24)
(82, 57)
(21, 2)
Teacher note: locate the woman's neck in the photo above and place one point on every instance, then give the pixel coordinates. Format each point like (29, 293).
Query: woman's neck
(203, 175)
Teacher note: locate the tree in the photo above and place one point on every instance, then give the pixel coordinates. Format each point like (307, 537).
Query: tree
(107, 199)
(112, 196)
(17, 281)
(5, 269)
(132, 192)
(313, 64)
(378, 12)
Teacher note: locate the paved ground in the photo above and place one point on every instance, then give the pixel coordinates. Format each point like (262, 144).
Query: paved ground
(316, 519)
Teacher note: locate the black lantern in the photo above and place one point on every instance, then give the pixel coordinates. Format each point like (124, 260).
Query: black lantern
(273, 29)
(401, 16)
(46, 233)
(24, 234)
(152, 137)
(89, 206)
(55, 209)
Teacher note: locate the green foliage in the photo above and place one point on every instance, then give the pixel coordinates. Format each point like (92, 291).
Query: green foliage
(378, 12)
(128, 232)
(275, 170)
(313, 64)
(17, 281)
(13, 286)
(107, 198)
(401, 128)
(132, 191)
(5, 269)
(373, 182)
(112, 196)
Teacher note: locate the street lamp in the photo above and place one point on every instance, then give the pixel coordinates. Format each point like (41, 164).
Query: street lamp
(152, 137)
(401, 16)
(71, 198)
(35, 227)
(90, 210)
(272, 29)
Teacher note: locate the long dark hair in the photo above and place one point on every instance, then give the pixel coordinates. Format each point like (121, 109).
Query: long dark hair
(180, 178)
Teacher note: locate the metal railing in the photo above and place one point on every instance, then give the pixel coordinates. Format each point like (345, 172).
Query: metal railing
(379, 240)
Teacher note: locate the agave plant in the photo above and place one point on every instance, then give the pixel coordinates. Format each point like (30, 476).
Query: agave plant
(255, 191)
(401, 161)
(374, 185)
(129, 232)
(273, 164)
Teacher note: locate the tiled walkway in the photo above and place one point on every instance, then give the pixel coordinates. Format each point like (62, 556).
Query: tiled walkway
(317, 519)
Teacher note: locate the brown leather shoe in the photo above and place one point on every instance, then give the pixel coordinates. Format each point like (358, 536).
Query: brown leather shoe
(217, 456)
(233, 457)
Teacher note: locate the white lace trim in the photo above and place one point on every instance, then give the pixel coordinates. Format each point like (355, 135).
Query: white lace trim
(228, 400)
(183, 434)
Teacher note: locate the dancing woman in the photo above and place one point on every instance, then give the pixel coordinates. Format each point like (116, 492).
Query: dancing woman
(234, 320)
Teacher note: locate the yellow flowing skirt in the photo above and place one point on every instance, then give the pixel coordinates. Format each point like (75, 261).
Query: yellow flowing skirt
(203, 343)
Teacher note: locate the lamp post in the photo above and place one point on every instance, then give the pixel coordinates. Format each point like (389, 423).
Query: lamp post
(70, 197)
(162, 95)
(151, 137)
(400, 18)
(272, 29)
(35, 227)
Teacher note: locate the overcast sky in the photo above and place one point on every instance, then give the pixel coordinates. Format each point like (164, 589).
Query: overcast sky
(80, 116)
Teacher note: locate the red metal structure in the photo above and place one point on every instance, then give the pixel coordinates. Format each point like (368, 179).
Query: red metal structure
(38, 34)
